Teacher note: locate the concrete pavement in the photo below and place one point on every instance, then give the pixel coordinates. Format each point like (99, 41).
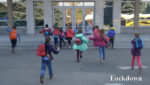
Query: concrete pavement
(32, 41)
(23, 68)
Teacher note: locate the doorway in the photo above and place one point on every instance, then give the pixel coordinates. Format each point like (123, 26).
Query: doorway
(78, 15)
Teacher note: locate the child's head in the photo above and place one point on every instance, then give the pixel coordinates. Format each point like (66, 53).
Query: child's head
(111, 25)
(101, 31)
(137, 34)
(14, 26)
(80, 30)
(46, 25)
(47, 40)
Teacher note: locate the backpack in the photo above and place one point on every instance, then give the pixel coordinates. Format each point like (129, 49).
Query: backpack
(41, 50)
(111, 34)
(13, 34)
(138, 43)
(47, 33)
(78, 41)
(56, 31)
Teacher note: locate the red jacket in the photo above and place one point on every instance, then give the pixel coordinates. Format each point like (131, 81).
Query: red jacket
(69, 33)
(44, 30)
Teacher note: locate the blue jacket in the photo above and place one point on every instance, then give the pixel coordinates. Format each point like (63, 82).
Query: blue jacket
(49, 48)
(111, 34)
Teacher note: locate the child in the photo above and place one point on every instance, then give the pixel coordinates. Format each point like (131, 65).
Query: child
(95, 33)
(13, 34)
(46, 60)
(137, 45)
(46, 31)
(101, 41)
(81, 44)
(61, 37)
(111, 35)
(56, 35)
(69, 35)
(95, 30)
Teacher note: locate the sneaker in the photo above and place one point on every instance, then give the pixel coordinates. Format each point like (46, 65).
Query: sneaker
(69, 46)
(81, 56)
(58, 48)
(132, 68)
(13, 50)
(140, 70)
(51, 77)
(101, 61)
(78, 61)
(41, 80)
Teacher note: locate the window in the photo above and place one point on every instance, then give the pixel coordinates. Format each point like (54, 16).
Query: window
(108, 12)
(19, 12)
(127, 13)
(3, 14)
(144, 13)
(38, 15)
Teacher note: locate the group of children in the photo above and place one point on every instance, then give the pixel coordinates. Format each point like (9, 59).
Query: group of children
(100, 40)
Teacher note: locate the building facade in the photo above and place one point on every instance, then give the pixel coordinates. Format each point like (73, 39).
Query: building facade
(30, 16)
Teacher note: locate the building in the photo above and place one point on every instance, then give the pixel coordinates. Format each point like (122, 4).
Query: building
(30, 16)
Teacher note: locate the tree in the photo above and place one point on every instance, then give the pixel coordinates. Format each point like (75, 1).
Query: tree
(10, 13)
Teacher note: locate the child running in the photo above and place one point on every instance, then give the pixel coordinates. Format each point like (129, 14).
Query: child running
(137, 45)
(61, 38)
(56, 35)
(111, 35)
(69, 35)
(101, 41)
(81, 44)
(13, 34)
(46, 31)
(47, 59)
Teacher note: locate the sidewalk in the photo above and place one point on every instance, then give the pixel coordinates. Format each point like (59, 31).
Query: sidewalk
(32, 41)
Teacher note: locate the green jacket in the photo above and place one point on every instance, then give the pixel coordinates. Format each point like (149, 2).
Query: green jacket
(83, 46)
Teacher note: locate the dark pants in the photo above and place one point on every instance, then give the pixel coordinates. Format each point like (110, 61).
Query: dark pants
(79, 55)
(61, 41)
(111, 42)
(13, 43)
(55, 41)
(69, 40)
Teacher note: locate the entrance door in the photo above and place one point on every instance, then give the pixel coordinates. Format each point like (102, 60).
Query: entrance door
(75, 16)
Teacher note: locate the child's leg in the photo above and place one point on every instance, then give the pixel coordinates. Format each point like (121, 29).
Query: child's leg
(43, 68)
(103, 48)
(133, 59)
(139, 61)
(60, 41)
(63, 41)
(101, 53)
(69, 41)
(50, 68)
(112, 43)
(78, 54)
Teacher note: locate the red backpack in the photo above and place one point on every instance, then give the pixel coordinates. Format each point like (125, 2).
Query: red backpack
(41, 50)
(78, 41)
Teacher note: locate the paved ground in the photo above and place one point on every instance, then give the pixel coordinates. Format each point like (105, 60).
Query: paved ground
(31, 41)
(23, 68)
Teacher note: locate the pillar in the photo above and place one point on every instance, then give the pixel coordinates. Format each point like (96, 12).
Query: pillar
(117, 15)
(30, 17)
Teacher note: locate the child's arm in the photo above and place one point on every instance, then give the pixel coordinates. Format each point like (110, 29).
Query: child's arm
(42, 31)
(92, 38)
(54, 51)
(18, 35)
(7, 30)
